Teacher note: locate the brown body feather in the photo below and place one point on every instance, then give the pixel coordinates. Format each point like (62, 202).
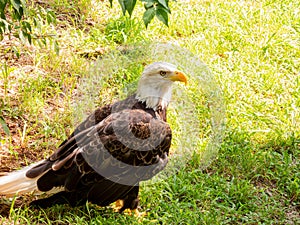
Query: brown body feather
(98, 165)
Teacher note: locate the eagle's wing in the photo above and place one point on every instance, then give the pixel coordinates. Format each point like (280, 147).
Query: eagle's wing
(126, 147)
(94, 118)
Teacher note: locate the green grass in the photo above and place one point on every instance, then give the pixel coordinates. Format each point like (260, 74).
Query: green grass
(252, 49)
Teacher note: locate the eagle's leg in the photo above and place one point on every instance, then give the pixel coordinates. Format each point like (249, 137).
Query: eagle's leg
(131, 201)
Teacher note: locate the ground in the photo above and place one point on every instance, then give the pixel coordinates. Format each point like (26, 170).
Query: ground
(251, 49)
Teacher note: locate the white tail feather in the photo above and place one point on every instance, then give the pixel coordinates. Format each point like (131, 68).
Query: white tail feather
(17, 183)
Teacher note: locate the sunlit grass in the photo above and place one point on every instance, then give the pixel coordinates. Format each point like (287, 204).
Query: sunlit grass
(251, 47)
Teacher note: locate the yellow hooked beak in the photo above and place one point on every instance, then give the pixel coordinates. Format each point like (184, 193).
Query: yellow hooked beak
(178, 76)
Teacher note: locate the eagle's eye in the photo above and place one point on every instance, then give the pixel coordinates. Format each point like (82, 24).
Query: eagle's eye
(163, 73)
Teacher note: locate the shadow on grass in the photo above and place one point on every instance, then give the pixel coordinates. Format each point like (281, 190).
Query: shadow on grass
(18, 210)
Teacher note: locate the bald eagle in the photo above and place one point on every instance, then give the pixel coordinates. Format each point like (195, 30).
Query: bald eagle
(110, 153)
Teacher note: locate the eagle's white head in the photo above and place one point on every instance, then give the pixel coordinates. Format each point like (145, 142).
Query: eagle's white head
(155, 84)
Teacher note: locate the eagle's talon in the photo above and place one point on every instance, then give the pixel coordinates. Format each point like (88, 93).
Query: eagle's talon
(135, 212)
(118, 205)
(139, 214)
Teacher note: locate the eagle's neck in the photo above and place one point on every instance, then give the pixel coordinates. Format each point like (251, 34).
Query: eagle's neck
(155, 96)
